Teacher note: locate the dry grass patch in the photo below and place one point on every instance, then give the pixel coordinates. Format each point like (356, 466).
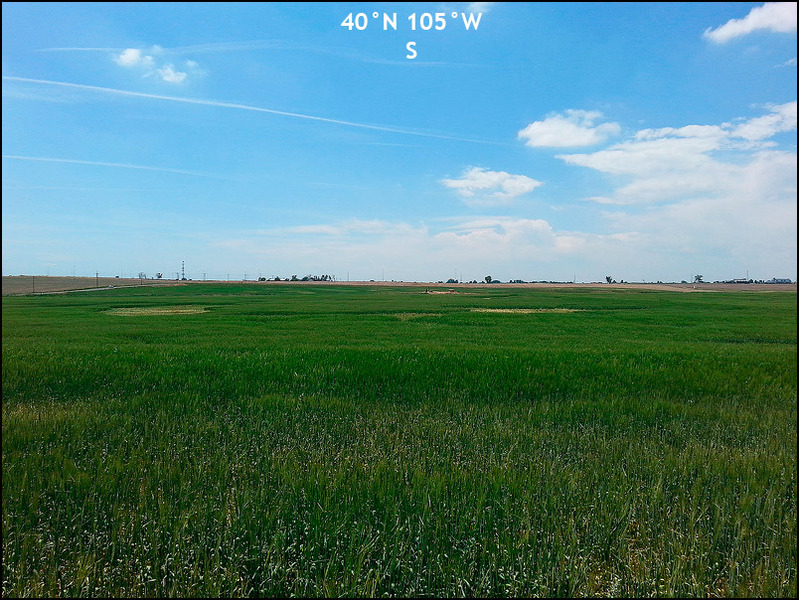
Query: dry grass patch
(414, 315)
(151, 311)
(527, 311)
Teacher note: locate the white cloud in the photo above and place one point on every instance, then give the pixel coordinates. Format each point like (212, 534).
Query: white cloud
(133, 58)
(781, 119)
(504, 247)
(352, 227)
(498, 227)
(779, 17)
(719, 193)
(647, 157)
(480, 7)
(574, 128)
(669, 162)
(485, 188)
(170, 75)
(748, 222)
(689, 131)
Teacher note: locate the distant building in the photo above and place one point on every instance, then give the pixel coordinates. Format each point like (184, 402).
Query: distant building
(779, 280)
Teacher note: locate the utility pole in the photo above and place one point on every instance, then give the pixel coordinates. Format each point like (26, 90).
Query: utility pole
(33, 283)
(97, 279)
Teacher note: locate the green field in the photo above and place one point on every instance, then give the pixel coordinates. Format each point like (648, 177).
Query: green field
(322, 440)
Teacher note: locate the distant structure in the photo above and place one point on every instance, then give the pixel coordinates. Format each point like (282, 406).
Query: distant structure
(183, 270)
(745, 281)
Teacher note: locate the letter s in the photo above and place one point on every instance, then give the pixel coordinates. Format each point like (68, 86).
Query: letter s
(411, 50)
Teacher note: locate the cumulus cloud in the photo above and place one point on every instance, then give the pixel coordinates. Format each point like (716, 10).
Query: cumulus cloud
(133, 57)
(781, 119)
(170, 75)
(778, 17)
(573, 128)
(668, 163)
(747, 221)
(479, 186)
(150, 66)
(664, 154)
(724, 191)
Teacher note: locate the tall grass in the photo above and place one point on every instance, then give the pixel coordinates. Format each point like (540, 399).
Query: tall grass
(331, 441)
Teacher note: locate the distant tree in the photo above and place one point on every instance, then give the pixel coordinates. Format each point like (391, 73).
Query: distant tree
(159, 275)
(488, 278)
(698, 278)
(452, 281)
(608, 278)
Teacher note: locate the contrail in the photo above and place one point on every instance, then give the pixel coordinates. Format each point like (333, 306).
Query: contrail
(79, 49)
(105, 90)
(265, 45)
(105, 164)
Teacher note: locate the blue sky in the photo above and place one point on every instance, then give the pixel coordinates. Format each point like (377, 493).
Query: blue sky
(546, 141)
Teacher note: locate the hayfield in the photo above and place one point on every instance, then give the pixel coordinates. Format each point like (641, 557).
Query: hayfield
(332, 440)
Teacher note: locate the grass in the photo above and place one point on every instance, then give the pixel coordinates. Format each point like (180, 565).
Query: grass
(338, 441)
